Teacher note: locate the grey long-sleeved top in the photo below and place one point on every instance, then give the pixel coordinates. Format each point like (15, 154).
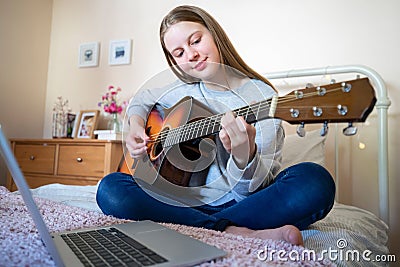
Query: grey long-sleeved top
(225, 180)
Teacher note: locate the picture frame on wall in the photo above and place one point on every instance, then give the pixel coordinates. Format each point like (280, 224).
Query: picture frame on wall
(89, 55)
(120, 52)
(86, 124)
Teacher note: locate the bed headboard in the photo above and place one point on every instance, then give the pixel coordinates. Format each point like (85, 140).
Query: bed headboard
(382, 106)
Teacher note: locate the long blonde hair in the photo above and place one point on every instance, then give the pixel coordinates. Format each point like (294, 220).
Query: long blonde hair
(228, 53)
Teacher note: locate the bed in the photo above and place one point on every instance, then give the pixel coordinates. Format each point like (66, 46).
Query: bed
(348, 236)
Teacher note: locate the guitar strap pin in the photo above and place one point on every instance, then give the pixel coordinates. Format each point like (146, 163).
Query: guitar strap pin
(300, 130)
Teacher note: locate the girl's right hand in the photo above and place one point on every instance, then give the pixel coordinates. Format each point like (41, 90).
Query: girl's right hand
(136, 139)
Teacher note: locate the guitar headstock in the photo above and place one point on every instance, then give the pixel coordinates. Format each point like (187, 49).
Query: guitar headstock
(349, 101)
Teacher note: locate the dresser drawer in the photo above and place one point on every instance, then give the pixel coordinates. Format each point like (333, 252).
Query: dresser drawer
(81, 160)
(65, 161)
(36, 158)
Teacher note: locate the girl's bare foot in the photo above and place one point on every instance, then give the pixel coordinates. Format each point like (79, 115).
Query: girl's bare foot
(288, 233)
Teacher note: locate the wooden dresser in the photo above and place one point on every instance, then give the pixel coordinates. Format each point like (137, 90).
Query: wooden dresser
(65, 161)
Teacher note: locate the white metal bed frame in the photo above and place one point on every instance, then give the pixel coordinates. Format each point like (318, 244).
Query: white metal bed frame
(382, 106)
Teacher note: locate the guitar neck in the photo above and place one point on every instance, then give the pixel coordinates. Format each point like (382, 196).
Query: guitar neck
(350, 101)
(212, 125)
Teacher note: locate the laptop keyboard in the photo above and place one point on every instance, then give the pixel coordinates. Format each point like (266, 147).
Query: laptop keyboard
(110, 247)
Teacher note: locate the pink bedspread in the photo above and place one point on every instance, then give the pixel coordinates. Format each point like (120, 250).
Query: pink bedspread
(20, 244)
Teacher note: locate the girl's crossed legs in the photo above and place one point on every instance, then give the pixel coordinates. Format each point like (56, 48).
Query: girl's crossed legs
(299, 196)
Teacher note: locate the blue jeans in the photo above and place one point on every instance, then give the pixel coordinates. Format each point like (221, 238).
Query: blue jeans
(300, 195)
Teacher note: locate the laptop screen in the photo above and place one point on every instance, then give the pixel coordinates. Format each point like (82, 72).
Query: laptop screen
(25, 192)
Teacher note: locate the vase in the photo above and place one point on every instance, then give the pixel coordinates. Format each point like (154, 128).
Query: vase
(59, 125)
(114, 124)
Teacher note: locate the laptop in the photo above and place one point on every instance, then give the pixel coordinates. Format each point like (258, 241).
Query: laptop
(142, 243)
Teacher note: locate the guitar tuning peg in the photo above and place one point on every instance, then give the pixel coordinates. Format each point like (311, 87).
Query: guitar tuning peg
(346, 87)
(350, 130)
(309, 85)
(324, 129)
(333, 81)
(321, 91)
(300, 130)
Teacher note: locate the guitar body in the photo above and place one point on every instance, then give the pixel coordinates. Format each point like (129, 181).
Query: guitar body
(176, 163)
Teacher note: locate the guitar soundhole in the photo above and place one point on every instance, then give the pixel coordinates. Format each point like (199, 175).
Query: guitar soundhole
(157, 147)
(190, 149)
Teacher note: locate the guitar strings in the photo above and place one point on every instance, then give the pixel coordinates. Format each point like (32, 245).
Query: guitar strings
(197, 125)
(175, 135)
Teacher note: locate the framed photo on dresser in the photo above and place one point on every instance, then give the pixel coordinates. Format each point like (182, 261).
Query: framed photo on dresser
(86, 124)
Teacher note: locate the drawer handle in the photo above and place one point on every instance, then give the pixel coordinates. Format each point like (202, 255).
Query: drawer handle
(79, 159)
(31, 157)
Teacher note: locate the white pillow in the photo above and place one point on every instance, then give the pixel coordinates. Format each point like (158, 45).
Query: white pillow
(309, 148)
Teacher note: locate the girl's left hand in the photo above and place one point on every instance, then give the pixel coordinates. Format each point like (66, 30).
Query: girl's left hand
(238, 138)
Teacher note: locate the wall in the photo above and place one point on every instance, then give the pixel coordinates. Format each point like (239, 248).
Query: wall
(100, 21)
(24, 51)
(270, 35)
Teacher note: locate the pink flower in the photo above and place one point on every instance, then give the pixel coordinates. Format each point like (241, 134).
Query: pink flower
(110, 103)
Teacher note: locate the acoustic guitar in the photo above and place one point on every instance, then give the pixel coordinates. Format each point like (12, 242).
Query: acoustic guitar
(182, 138)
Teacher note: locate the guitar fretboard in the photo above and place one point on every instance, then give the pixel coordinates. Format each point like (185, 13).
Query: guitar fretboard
(211, 125)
